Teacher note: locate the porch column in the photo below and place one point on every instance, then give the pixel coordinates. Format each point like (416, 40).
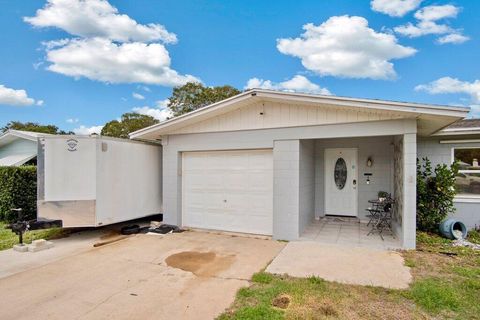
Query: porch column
(409, 190)
(286, 189)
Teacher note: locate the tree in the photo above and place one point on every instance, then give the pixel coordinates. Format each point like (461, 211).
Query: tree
(34, 127)
(435, 193)
(128, 123)
(194, 95)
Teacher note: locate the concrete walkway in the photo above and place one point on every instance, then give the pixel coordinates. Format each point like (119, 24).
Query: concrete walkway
(344, 264)
(12, 262)
(190, 275)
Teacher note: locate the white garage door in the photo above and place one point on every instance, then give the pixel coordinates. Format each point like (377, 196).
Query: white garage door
(228, 190)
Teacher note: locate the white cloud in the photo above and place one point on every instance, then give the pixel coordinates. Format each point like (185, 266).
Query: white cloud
(144, 88)
(345, 46)
(454, 38)
(452, 85)
(427, 24)
(107, 46)
(422, 28)
(72, 120)
(297, 84)
(13, 97)
(159, 112)
(474, 111)
(394, 8)
(434, 13)
(138, 96)
(102, 60)
(162, 103)
(83, 130)
(97, 18)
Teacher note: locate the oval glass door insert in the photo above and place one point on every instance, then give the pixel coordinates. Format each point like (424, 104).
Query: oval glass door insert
(340, 173)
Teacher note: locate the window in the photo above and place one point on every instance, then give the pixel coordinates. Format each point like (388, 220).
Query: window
(468, 177)
(340, 173)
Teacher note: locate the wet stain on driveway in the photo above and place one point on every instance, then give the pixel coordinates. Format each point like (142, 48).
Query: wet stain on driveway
(203, 264)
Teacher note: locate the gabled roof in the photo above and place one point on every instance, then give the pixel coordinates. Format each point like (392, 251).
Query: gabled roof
(435, 117)
(11, 135)
(17, 159)
(461, 127)
(465, 124)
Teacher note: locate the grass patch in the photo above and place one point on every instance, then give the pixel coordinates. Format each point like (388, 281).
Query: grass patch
(256, 312)
(410, 262)
(8, 239)
(474, 236)
(262, 277)
(446, 285)
(434, 295)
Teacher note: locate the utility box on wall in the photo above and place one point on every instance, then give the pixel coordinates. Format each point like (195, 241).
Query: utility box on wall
(93, 181)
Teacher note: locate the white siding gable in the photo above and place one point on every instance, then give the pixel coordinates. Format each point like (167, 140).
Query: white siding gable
(277, 115)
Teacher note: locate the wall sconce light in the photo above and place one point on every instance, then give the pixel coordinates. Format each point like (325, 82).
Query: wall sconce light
(369, 162)
(368, 175)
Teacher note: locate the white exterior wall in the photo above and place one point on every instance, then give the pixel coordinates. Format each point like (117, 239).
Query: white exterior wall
(286, 150)
(409, 222)
(467, 211)
(380, 149)
(306, 184)
(286, 189)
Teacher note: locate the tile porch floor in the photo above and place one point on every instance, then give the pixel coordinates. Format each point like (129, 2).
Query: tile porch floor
(347, 231)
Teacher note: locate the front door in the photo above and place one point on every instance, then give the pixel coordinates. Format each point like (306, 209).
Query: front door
(341, 182)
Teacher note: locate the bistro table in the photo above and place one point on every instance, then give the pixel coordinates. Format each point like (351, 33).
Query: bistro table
(380, 214)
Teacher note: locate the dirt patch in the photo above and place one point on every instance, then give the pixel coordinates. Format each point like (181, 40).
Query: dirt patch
(328, 309)
(282, 301)
(203, 264)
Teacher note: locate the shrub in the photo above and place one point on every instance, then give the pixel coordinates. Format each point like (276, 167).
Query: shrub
(435, 193)
(18, 189)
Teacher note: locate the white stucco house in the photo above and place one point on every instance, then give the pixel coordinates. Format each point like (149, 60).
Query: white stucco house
(264, 162)
(18, 147)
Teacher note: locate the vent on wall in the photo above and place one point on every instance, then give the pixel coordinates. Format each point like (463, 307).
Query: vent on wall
(104, 147)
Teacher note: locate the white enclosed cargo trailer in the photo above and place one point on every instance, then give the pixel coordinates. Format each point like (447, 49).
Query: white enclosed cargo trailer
(93, 181)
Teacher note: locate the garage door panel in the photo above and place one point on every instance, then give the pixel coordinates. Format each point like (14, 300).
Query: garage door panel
(258, 162)
(229, 190)
(236, 181)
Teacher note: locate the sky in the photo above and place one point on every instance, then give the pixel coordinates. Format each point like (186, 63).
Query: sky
(78, 64)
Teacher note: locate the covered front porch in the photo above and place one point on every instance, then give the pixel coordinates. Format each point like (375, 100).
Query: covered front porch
(348, 231)
(338, 178)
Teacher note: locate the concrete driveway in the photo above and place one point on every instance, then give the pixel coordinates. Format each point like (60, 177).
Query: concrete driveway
(191, 275)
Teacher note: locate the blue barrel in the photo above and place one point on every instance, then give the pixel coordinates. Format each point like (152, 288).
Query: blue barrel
(449, 225)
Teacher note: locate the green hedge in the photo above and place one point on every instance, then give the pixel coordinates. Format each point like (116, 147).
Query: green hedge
(18, 189)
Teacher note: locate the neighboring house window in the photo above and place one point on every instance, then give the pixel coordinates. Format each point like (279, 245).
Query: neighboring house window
(468, 177)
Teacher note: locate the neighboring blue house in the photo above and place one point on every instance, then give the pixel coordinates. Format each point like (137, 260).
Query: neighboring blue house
(18, 147)
(460, 141)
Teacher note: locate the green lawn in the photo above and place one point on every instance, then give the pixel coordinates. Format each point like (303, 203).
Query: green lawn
(446, 286)
(8, 238)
